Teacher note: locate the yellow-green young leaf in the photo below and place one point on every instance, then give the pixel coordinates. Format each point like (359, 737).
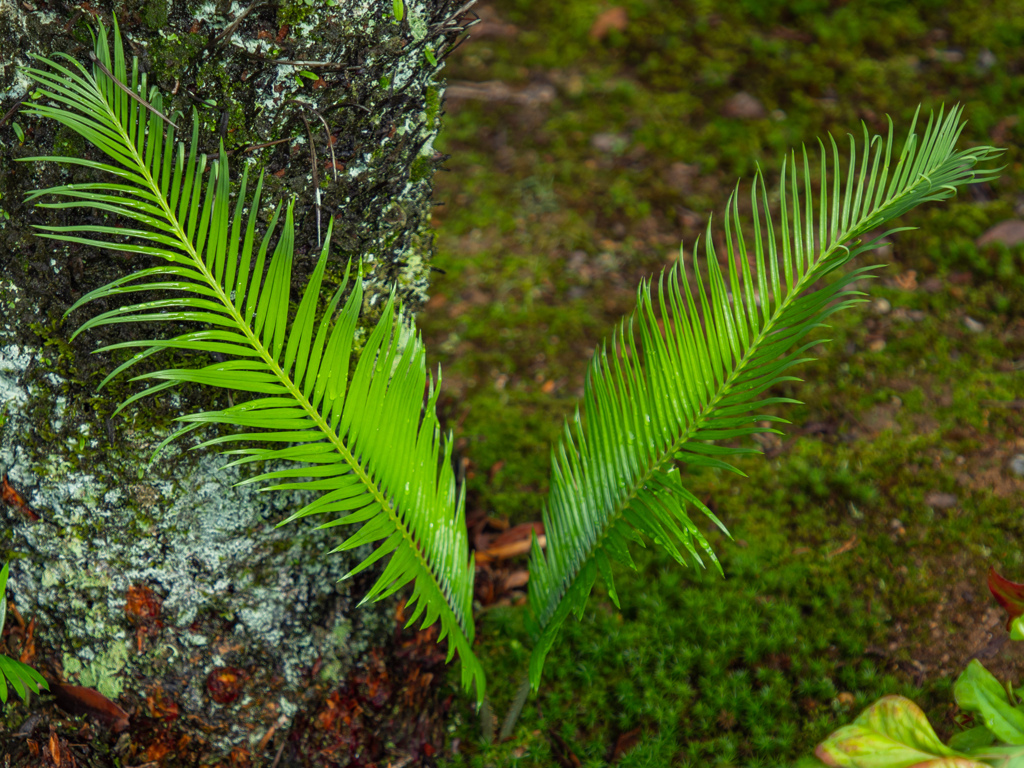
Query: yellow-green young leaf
(891, 733)
(399, 9)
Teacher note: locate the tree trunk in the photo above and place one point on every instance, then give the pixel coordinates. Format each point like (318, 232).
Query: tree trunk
(164, 582)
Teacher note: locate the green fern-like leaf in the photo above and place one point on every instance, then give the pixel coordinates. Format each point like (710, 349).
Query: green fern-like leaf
(21, 676)
(681, 394)
(368, 444)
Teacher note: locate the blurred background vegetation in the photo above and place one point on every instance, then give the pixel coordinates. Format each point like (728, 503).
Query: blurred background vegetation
(587, 141)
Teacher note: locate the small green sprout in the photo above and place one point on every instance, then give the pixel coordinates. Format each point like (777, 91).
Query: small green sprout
(21, 676)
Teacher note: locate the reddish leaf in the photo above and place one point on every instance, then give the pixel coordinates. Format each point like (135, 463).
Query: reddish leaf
(78, 700)
(161, 705)
(225, 683)
(142, 603)
(1008, 594)
(58, 752)
(28, 646)
(16, 500)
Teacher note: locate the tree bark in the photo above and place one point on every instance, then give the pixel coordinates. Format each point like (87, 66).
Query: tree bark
(145, 581)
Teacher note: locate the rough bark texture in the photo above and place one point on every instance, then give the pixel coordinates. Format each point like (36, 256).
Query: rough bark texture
(146, 581)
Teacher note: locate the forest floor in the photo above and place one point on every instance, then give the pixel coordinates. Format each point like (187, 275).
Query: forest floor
(587, 141)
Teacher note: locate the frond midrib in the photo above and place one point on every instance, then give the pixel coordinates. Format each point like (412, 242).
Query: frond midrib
(705, 414)
(440, 585)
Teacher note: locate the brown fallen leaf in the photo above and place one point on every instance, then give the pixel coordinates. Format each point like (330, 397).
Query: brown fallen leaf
(16, 500)
(514, 541)
(28, 645)
(614, 18)
(78, 700)
(58, 753)
(517, 533)
(517, 579)
(484, 529)
(907, 281)
(625, 742)
(142, 603)
(562, 752)
(1008, 233)
(161, 705)
(846, 546)
(54, 747)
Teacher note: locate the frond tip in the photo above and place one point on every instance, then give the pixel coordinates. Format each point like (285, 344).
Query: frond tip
(684, 394)
(366, 443)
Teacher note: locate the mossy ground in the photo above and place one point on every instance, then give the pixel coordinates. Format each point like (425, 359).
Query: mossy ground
(862, 540)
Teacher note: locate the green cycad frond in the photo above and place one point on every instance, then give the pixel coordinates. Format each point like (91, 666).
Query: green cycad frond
(703, 378)
(369, 444)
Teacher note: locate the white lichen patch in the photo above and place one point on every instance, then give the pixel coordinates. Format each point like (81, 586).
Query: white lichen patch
(416, 14)
(208, 550)
(13, 361)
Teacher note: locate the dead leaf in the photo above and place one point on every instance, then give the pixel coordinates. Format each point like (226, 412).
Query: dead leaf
(78, 700)
(16, 500)
(1009, 233)
(518, 533)
(846, 546)
(57, 751)
(514, 541)
(562, 752)
(625, 742)
(614, 18)
(161, 705)
(907, 281)
(28, 645)
(517, 579)
(141, 603)
(225, 683)
(54, 747)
